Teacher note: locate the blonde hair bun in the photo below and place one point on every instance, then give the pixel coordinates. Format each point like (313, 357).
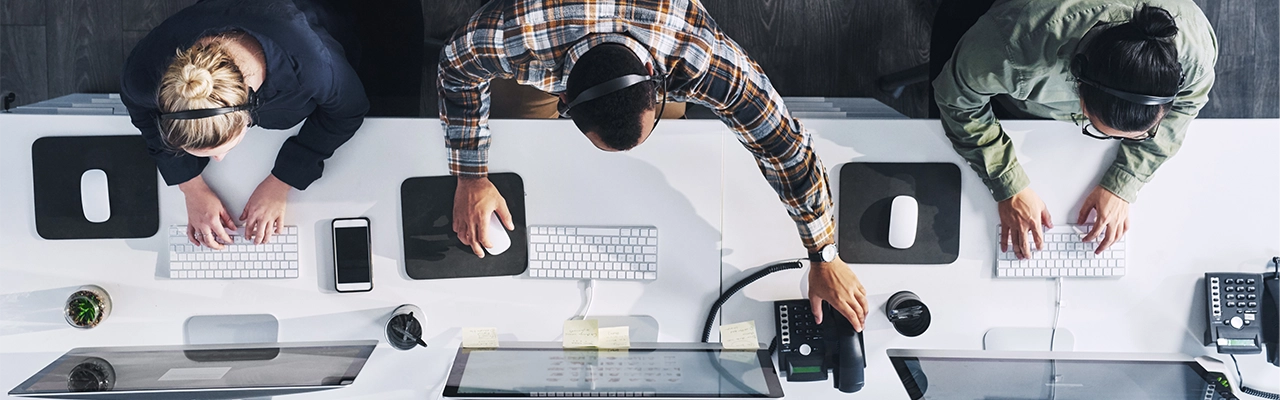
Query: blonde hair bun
(195, 83)
(202, 76)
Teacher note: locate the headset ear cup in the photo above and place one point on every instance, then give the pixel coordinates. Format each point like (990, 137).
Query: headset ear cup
(1077, 65)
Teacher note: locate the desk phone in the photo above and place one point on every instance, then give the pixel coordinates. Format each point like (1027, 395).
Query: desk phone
(1233, 305)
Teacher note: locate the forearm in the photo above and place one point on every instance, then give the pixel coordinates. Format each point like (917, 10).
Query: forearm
(194, 185)
(976, 135)
(1136, 163)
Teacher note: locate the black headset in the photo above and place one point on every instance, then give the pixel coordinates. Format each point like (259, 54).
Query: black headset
(1077, 69)
(610, 86)
(250, 105)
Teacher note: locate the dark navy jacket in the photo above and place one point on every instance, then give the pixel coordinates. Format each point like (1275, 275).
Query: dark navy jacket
(308, 77)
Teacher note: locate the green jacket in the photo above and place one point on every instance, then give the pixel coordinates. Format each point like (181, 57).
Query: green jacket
(1023, 48)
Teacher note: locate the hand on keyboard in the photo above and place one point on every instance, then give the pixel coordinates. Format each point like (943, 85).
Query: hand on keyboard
(1110, 212)
(207, 219)
(264, 214)
(1066, 254)
(238, 258)
(1019, 214)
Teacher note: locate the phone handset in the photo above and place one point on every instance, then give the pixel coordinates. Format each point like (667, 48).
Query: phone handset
(845, 352)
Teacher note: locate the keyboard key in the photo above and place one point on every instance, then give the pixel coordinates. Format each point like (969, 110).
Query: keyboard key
(593, 252)
(239, 258)
(1064, 254)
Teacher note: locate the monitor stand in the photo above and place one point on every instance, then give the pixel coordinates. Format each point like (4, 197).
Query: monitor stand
(644, 328)
(232, 329)
(1027, 339)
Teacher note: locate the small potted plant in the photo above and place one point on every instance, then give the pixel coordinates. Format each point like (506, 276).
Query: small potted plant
(88, 306)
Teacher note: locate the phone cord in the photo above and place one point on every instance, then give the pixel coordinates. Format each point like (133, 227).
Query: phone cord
(715, 307)
(1249, 390)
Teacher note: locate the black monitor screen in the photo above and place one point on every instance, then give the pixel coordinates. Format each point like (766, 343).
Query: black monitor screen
(210, 367)
(693, 373)
(1011, 379)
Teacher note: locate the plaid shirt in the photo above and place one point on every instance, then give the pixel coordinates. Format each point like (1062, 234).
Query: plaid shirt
(537, 42)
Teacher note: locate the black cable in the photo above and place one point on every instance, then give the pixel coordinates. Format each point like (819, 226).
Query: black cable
(715, 307)
(1249, 390)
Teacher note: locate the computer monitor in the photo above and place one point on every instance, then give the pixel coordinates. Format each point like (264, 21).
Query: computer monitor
(1011, 375)
(199, 371)
(646, 370)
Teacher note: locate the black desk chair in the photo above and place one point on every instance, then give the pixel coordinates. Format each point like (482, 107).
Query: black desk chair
(952, 20)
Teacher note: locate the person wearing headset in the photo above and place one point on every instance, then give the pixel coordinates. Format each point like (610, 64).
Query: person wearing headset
(199, 80)
(611, 64)
(1136, 71)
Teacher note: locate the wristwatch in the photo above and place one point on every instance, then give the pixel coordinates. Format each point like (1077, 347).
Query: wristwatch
(825, 254)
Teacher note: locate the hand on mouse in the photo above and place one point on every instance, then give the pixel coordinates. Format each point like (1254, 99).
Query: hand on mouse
(473, 202)
(840, 287)
(206, 217)
(1110, 212)
(1021, 213)
(263, 215)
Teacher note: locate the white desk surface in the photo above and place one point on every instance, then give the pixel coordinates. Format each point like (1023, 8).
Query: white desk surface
(717, 216)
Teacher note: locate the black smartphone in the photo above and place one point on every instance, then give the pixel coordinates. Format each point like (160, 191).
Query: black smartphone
(352, 255)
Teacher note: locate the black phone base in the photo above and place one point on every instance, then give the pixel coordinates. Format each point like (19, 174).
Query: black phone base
(807, 350)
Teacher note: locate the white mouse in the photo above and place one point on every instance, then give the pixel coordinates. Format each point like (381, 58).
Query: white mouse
(497, 235)
(903, 216)
(93, 196)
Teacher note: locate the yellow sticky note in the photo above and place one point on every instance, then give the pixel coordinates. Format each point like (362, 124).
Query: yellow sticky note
(741, 335)
(617, 337)
(479, 337)
(581, 333)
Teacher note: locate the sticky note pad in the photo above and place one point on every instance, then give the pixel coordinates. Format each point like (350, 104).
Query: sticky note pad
(581, 333)
(479, 337)
(617, 337)
(741, 335)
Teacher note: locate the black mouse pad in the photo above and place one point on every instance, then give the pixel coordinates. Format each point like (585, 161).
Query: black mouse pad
(866, 194)
(432, 249)
(57, 163)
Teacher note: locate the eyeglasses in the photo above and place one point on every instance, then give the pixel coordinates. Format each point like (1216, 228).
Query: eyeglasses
(1087, 128)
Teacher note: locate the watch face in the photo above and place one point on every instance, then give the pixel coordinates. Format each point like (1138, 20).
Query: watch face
(829, 253)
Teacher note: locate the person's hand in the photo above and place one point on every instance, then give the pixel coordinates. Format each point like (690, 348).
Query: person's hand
(1021, 213)
(263, 215)
(207, 219)
(473, 202)
(837, 284)
(1110, 212)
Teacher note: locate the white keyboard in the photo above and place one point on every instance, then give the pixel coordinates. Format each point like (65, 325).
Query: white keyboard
(1064, 255)
(241, 259)
(594, 252)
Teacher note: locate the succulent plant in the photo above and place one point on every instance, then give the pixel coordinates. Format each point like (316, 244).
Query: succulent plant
(84, 308)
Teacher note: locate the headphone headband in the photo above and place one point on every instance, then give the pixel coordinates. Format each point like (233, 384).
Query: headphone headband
(250, 105)
(1077, 69)
(606, 87)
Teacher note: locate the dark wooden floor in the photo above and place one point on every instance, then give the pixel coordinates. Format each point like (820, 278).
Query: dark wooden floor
(836, 48)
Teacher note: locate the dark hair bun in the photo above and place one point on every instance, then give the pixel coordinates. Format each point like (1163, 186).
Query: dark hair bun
(1155, 22)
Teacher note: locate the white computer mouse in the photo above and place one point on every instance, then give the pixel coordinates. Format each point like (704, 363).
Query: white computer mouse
(903, 217)
(497, 235)
(93, 196)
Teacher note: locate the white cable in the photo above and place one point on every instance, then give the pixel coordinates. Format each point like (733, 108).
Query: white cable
(588, 292)
(1057, 309)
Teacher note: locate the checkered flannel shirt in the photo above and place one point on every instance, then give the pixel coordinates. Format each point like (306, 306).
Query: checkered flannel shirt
(537, 42)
